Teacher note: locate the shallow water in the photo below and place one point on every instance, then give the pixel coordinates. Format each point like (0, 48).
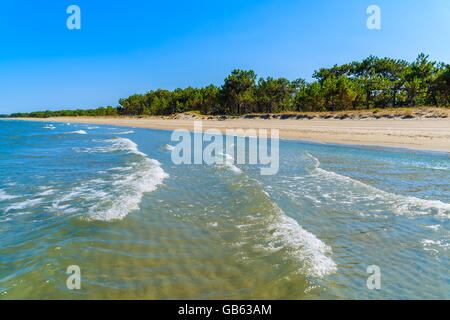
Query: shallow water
(110, 200)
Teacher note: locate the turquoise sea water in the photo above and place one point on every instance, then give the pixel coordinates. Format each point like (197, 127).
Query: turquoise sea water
(109, 200)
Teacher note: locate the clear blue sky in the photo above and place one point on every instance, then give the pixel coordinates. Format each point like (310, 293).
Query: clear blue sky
(132, 46)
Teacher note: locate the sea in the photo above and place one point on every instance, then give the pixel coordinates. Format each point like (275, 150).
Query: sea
(335, 221)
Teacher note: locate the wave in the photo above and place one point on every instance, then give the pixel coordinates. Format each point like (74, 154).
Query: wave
(4, 196)
(168, 147)
(222, 159)
(49, 127)
(278, 232)
(431, 245)
(124, 144)
(78, 132)
(316, 162)
(46, 192)
(434, 227)
(125, 132)
(434, 164)
(227, 161)
(24, 204)
(305, 246)
(399, 204)
(115, 144)
(118, 191)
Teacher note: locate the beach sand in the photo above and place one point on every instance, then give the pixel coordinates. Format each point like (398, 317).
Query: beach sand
(420, 134)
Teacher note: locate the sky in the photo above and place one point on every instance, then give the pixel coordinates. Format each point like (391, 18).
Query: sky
(133, 46)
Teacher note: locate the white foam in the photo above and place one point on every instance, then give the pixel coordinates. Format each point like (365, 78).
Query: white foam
(228, 161)
(125, 132)
(434, 227)
(129, 184)
(284, 232)
(90, 128)
(13, 183)
(436, 164)
(46, 192)
(119, 169)
(431, 245)
(78, 132)
(316, 162)
(137, 184)
(233, 168)
(431, 166)
(399, 204)
(49, 127)
(113, 145)
(168, 147)
(314, 255)
(5, 196)
(212, 224)
(409, 205)
(24, 204)
(125, 145)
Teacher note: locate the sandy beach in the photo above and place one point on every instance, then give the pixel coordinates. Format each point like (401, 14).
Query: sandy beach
(420, 134)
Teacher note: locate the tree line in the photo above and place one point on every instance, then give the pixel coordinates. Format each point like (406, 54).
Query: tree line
(370, 83)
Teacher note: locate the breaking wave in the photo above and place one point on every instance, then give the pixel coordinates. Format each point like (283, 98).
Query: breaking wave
(226, 160)
(4, 196)
(278, 231)
(118, 191)
(168, 147)
(304, 246)
(24, 204)
(399, 204)
(78, 132)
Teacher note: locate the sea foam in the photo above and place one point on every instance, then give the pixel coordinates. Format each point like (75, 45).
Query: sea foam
(314, 254)
(399, 204)
(168, 147)
(78, 132)
(24, 204)
(228, 161)
(283, 232)
(120, 190)
(4, 196)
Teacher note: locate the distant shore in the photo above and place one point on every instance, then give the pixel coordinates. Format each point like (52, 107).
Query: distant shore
(431, 134)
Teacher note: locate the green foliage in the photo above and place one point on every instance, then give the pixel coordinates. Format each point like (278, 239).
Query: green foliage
(274, 95)
(440, 87)
(237, 95)
(372, 83)
(102, 111)
(310, 97)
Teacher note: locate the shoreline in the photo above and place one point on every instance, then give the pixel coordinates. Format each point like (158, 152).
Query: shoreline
(419, 134)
